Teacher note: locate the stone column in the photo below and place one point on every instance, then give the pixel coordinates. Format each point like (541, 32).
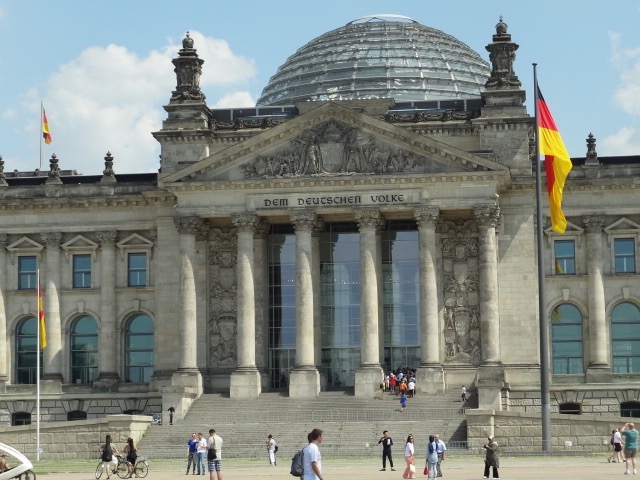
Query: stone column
(4, 374)
(108, 352)
(430, 373)
(52, 354)
(598, 345)
(369, 374)
(188, 375)
(245, 380)
(304, 380)
(491, 372)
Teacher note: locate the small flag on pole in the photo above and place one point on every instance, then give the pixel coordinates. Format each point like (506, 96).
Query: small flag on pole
(556, 160)
(46, 133)
(41, 325)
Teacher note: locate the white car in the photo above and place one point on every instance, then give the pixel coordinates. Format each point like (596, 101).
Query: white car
(23, 468)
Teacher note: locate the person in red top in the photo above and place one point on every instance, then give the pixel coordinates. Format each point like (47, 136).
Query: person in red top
(392, 383)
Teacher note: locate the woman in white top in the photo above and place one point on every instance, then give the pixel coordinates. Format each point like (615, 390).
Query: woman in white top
(409, 451)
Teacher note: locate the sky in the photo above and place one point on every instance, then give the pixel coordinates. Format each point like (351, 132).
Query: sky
(103, 69)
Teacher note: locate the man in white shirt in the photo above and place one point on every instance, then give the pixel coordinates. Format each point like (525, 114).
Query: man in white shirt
(201, 453)
(312, 465)
(271, 447)
(214, 464)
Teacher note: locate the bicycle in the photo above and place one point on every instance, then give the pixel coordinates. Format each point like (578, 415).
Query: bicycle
(121, 469)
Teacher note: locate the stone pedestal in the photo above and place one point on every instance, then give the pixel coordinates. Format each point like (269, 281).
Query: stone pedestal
(51, 385)
(430, 379)
(598, 374)
(245, 383)
(106, 382)
(304, 383)
(190, 379)
(368, 380)
(490, 384)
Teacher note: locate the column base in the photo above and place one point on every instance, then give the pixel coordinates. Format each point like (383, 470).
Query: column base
(190, 379)
(367, 381)
(245, 383)
(3, 384)
(430, 379)
(490, 384)
(52, 384)
(304, 383)
(106, 382)
(598, 374)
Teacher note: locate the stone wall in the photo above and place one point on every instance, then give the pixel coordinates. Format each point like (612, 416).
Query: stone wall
(75, 440)
(592, 402)
(515, 431)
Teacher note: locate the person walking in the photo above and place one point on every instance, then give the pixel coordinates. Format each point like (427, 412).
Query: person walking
(386, 442)
(409, 458)
(630, 436)
(312, 460)
(192, 455)
(463, 393)
(432, 457)
(214, 455)
(441, 448)
(201, 453)
(616, 444)
(132, 456)
(491, 458)
(403, 402)
(272, 448)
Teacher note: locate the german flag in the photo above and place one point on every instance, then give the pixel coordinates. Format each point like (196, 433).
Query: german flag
(41, 325)
(556, 160)
(46, 133)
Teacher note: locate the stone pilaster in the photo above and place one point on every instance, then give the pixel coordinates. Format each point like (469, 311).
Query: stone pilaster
(430, 373)
(491, 372)
(188, 374)
(52, 355)
(108, 352)
(598, 362)
(304, 380)
(369, 374)
(4, 374)
(245, 380)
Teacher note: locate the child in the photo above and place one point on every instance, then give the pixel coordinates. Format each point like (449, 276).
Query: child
(403, 401)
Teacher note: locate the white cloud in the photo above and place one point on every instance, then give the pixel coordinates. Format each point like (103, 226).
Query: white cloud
(235, 100)
(110, 99)
(625, 141)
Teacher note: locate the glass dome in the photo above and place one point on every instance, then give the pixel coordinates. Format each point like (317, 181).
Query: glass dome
(379, 56)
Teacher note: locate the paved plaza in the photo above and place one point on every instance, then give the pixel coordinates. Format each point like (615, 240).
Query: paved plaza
(455, 468)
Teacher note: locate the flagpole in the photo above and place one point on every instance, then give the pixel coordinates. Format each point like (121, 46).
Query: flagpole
(38, 360)
(545, 398)
(41, 117)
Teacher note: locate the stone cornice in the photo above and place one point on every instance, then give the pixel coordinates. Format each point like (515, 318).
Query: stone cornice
(583, 185)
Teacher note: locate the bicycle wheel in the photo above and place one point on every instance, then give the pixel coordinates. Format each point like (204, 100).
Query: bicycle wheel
(122, 470)
(28, 475)
(142, 468)
(99, 470)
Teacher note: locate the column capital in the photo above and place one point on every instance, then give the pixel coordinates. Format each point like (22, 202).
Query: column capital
(107, 238)
(593, 223)
(3, 240)
(305, 220)
(188, 224)
(52, 239)
(487, 215)
(426, 216)
(369, 218)
(245, 222)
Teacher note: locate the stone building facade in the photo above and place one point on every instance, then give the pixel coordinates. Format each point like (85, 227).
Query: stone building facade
(313, 246)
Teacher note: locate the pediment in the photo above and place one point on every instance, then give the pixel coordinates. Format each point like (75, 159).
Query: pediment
(79, 242)
(25, 244)
(571, 230)
(331, 141)
(134, 241)
(622, 226)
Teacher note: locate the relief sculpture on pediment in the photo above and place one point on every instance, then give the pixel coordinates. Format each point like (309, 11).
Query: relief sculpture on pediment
(460, 288)
(222, 317)
(333, 148)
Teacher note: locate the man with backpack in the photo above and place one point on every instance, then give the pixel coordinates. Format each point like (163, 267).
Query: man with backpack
(306, 463)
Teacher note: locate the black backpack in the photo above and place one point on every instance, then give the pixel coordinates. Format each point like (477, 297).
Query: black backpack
(107, 453)
(297, 468)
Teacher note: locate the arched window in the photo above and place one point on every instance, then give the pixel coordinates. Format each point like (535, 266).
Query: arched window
(20, 418)
(84, 350)
(76, 415)
(566, 334)
(26, 348)
(630, 409)
(625, 338)
(570, 408)
(138, 347)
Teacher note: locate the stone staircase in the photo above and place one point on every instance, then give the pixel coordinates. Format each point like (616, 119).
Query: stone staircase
(352, 426)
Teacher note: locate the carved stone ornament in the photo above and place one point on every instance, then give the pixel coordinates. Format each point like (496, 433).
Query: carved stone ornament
(106, 237)
(333, 148)
(245, 222)
(188, 225)
(502, 54)
(593, 223)
(303, 220)
(188, 68)
(369, 218)
(52, 239)
(487, 215)
(3, 241)
(222, 315)
(460, 289)
(426, 216)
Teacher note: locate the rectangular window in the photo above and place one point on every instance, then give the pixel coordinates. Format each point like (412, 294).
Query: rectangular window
(137, 270)
(625, 255)
(565, 253)
(27, 273)
(82, 271)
